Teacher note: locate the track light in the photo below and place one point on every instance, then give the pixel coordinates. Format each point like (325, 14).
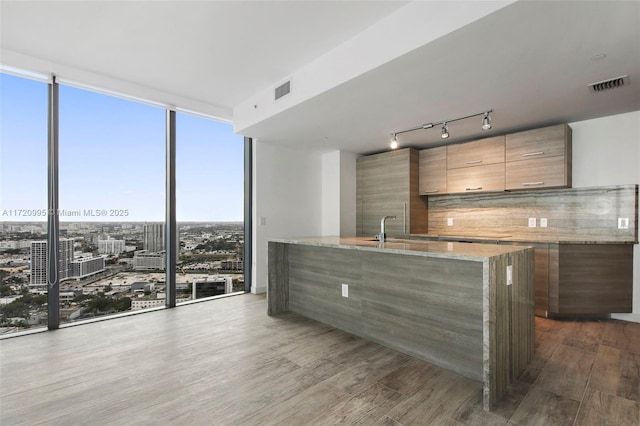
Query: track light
(486, 121)
(445, 131)
(394, 141)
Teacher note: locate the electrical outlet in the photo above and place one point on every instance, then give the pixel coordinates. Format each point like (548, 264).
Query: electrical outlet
(509, 274)
(449, 221)
(623, 223)
(543, 222)
(532, 222)
(345, 290)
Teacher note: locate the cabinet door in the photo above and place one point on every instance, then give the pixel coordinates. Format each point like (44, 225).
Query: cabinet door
(594, 279)
(476, 153)
(433, 171)
(547, 172)
(476, 179)
(538, 143)
(385, 179)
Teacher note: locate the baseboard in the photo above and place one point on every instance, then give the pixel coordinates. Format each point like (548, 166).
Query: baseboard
(627, 317)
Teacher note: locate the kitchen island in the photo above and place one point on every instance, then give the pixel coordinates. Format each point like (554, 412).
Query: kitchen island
(464, 307)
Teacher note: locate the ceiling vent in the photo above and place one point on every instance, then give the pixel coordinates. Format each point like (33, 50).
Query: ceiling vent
(612, 83)
(283, 90)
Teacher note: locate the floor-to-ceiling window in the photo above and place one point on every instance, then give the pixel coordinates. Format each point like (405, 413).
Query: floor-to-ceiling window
(112, 176)
(23, 203)
(209, 208)
(112, 204)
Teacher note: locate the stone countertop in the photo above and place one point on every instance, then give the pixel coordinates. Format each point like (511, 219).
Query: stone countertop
(427, 248)
(495, 239)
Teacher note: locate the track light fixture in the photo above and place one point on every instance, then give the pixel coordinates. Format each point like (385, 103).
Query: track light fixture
(444, 132)
(486, 121)
(394, 141)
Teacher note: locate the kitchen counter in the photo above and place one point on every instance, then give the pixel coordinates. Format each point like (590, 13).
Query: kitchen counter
(495, 239)
(465, 307)
(414, 247)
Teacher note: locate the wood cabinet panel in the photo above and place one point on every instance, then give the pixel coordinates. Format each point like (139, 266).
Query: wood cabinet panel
(433, 171)
(388, 185)
(476, 179)
(548, 172)
(538, 143)
(595, 279)
(476, 153)
(539, 158)
(541, 276)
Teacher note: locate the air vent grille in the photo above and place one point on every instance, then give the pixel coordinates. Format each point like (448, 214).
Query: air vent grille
(283, 90)
(612, 83)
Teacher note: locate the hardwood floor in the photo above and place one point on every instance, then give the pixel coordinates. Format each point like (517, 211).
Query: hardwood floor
(226, 362)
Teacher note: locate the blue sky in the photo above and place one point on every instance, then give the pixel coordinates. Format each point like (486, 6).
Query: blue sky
(112, 157)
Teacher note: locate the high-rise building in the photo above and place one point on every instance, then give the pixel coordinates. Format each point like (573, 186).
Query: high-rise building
(144, 260)
(154, 234)
(110, 246)
(155, 238)
(87, 266)
(39, 261)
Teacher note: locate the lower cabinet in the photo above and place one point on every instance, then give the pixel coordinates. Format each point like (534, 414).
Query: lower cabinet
(582, 280)
(590, 279)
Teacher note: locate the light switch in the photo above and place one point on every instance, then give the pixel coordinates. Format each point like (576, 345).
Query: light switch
(449, 221)
(543, 222)
(509, 274)
(532, 222)
(345, 290)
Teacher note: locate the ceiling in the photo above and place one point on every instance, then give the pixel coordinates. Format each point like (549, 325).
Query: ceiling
(530, 62)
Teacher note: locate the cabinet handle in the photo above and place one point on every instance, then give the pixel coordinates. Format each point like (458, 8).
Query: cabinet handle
(473, 162)
(531, 154)
(404, 217)
(532, 183)
(431, 191)
(477, 188)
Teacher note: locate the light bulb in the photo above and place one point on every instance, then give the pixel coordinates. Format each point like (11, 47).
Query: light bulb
(394, 142)
(445, 131)
(486, 121)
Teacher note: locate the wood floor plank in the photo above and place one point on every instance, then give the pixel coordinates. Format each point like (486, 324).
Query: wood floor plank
(605, 375)
(567, 372)
(546, 345)
(227, 363)
(543, 408)
(410, 377)
(623, 335)
(629, 386)
(436, 401)
(599, 408)
(470, 413)
(585, 335)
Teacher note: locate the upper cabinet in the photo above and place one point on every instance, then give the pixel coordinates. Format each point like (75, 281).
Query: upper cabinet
(539, 158)
(476, 153)
(387, 184)
(433, 171)
(476, 166)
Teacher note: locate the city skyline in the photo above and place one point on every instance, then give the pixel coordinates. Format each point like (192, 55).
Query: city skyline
(112, 158)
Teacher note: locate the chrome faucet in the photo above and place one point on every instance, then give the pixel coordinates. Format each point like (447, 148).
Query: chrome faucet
(382, 235)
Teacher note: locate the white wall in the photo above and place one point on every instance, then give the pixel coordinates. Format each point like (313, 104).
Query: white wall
(331, 193)
(606, 151)
(339, 193)
(347, 194)
(299, 193)
(287, 200)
